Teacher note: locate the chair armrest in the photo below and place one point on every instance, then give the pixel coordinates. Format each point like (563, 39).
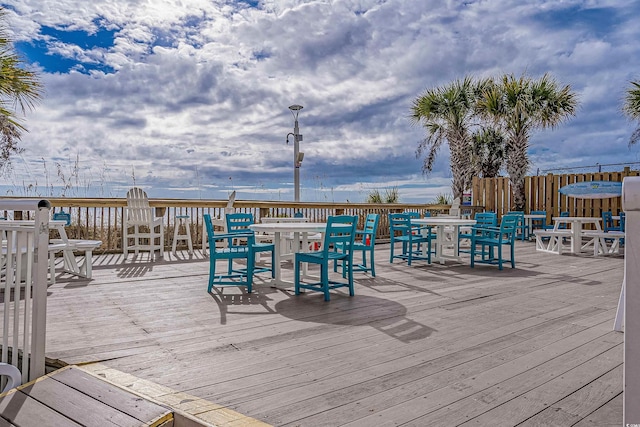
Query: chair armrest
(233, 236)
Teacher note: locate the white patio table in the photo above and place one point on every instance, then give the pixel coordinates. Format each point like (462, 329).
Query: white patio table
(577, 224)
(301, 231)
(442, 242)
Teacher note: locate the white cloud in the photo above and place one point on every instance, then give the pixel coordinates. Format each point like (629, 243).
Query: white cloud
(217, 79)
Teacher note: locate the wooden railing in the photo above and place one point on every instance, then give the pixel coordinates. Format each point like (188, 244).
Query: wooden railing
(541, 193)
(23, 283)
(101, 218)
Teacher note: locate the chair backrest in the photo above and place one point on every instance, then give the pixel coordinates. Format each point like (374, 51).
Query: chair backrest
(455, 207)
(232, 198)
(239, 222)
(399, 222)
(370, 229)
(486, 219)
(209, 226)
(508, 226)
(539, 222)
(607, 220)
(138, 210)
(12, 374)
(563, 214)
(340, 233)
(622, 221)
(62, 216)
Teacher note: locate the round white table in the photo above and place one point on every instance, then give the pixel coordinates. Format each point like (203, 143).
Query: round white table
(301, 231)
(442, 242)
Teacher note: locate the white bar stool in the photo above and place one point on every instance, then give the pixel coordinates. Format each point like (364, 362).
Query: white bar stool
(180, 221)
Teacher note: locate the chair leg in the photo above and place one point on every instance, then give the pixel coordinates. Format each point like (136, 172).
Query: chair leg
(324, 277)
(513, 258)
(373, 265)
(350, 262)
(273, 264)
(391, 252)
(212, 272)
(499, 257)
(251, 259)
(473, 253)
(296, 275)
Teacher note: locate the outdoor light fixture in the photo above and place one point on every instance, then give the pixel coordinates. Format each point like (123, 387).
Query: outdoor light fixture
(297, 155)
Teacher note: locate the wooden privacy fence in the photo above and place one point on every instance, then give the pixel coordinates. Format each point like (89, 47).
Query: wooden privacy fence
(541, 193)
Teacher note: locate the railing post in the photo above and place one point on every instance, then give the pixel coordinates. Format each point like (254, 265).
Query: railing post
(631, 300)
(26, 266)
(41, 262)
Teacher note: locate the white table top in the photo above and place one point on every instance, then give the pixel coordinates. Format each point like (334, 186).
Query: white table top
(271, 220)
(292, 227)
(52, 222)
(443, 221)
(576, 219)
(535, 216)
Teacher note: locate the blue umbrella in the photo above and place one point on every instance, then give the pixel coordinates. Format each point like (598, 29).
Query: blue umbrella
(593, 189)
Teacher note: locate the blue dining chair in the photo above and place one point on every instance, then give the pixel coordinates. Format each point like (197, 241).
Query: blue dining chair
(607, 222)
(402, 231)
(238, 223)
(492, 239)
(483, 219)
(340, 232)
(538, 223)
(231, 252)
(522, 231)
(364, 242)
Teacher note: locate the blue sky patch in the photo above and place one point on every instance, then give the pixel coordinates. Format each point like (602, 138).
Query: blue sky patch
(597, 21)
(37, 51)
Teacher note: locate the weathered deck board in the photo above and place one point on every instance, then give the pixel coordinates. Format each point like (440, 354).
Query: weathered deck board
(421, 345)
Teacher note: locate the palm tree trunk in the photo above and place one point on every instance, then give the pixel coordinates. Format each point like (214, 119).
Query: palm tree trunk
(517, 167)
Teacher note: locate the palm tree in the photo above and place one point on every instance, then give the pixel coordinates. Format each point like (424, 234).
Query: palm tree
(632, 109)
(487, 152)
(19, 90)
(447, 113)
(519, 106)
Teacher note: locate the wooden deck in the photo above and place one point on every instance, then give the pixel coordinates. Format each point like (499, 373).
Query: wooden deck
(438, 345)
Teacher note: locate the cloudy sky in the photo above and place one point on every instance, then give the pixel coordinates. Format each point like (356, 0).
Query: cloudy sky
(189, 98)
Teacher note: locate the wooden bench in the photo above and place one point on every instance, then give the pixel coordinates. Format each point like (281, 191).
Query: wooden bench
(555, 243)
(598, 239)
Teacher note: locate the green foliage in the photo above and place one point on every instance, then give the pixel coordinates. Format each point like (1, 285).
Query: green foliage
(487, 153)
(631, 108)
(390, 196)
(19, 88)
(443, 199)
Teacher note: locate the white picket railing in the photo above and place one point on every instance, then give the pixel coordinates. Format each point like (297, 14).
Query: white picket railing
(23, 284)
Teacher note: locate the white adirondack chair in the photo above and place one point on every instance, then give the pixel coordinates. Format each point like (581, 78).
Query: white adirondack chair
(141, 225)
(12, 375)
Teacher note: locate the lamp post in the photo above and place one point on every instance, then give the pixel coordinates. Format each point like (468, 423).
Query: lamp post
(297, 155)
